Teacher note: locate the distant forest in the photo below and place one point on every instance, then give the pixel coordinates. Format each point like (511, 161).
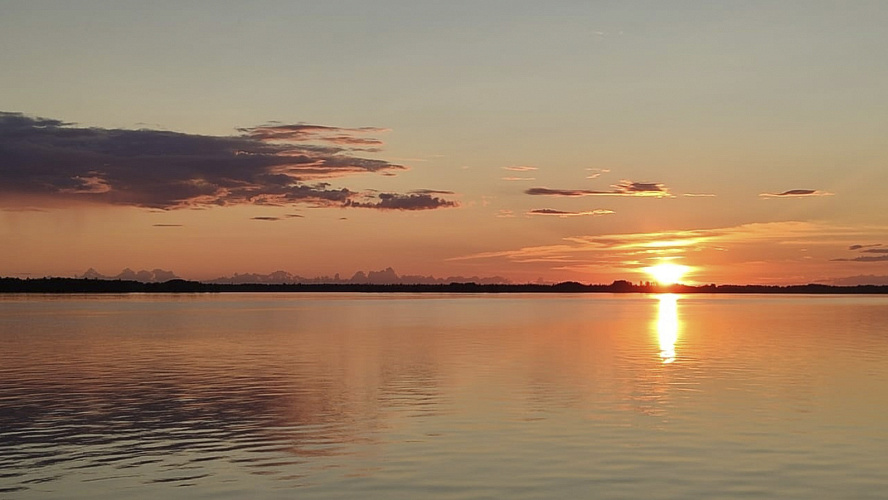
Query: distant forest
(83, 285)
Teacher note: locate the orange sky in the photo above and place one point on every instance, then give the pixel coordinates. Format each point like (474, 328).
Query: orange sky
(564, 142)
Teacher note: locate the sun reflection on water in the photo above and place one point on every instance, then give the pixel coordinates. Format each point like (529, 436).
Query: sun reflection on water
(667, 326)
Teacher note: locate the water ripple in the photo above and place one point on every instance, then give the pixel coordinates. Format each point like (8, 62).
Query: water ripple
(353, 397)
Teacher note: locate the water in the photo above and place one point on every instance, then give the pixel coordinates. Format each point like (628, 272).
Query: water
(448, 396)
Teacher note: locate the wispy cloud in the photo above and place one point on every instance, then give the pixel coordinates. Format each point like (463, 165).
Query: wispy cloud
(431, 191)
(624, 188)
(796, 193)
(167, 225)
(518, 178)
(520, 168)
(265, 218)
(636, 250)
(563, 213)
(595, 173)
(285, 133)
(51, 162)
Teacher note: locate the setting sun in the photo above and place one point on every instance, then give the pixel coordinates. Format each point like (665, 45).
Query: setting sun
(667, 273)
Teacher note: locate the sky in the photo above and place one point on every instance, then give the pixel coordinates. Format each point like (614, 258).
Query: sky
(547, 141)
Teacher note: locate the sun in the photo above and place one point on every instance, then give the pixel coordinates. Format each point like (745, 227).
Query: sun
(667, 273)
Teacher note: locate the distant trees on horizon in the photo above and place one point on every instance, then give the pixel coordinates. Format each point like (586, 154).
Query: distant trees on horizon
(93, 285)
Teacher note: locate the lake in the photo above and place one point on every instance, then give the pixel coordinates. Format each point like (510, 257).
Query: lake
(393, 396)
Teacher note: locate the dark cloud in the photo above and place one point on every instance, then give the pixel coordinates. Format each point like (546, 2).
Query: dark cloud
(276, 164)
(560, 192)
(864, 258)
(302, 132)
(562, 213)
(394, 201)
(430, 191)
(266, 218)
(881, 254)
(292, 216)
(167, 225)
(796, 193)
(640, 188)
(624, 188)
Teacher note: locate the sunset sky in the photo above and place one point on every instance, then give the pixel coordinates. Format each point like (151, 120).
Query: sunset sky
(573, 140)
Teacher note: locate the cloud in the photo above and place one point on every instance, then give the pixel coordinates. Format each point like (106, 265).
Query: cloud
(796, 193)
(596, 172)
(430, 191)
(265, 217)
(410, 201)
(562, 213)
(302, 132)
(629, 250)
(698, 195)
(772, 252)
(542, 191)
(881, 254)
(518, 178)
(624, 188)
(291, 216)
(167, 225)
(864, 258)
(520, 168)
(45, 161)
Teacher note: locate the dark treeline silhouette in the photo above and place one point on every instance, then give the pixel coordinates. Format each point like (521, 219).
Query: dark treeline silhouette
(82, 285)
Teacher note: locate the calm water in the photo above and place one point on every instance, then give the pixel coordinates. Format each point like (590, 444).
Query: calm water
(402, 396)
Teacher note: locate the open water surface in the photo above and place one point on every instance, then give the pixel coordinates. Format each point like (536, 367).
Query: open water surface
(443, 396)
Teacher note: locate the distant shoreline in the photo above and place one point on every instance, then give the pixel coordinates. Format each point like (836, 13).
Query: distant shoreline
(97, 286)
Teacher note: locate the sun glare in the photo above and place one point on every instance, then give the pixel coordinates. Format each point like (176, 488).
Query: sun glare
(667, 273)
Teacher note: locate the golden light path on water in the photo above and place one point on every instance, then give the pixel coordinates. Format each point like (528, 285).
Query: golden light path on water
(667, 326)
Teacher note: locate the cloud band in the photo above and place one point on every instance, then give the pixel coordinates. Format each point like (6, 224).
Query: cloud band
(277, 164)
